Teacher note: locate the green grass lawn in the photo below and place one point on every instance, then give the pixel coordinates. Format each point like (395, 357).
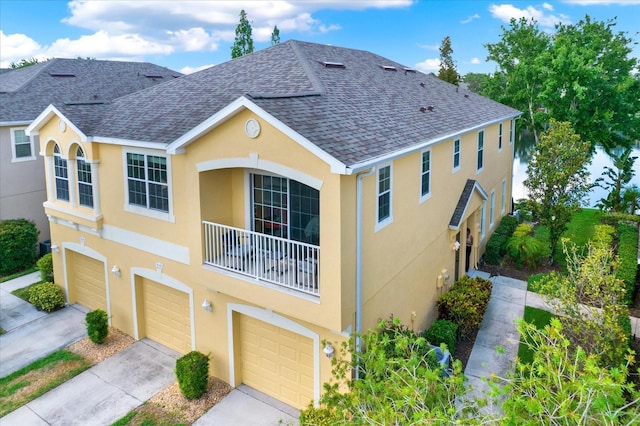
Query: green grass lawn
(18, 274)
(538, 317)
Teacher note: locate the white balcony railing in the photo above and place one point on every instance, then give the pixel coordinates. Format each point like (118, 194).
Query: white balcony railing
(287, 263)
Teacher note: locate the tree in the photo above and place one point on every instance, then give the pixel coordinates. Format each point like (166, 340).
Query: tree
(23, 63)
(243, 43)
(557, 179)
(614, 179)
(475, 81)
(447, 70)
(522, 58)
(275, 36)
(631, 199)
(591, 83)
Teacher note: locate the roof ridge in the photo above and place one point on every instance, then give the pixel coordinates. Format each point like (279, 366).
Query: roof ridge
(306, 66)
(46, 64)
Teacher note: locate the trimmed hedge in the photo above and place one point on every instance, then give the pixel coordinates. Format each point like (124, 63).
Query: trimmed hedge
(466, 303)
(192, 372)
(18, 241)
(45, 265)
(497, 245)
(46, 296)
(442, 331)
(627, 259)
(97, 325)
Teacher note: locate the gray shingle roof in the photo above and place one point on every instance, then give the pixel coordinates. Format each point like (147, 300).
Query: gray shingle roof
(463, 202)
(355, 114)
(26, 92)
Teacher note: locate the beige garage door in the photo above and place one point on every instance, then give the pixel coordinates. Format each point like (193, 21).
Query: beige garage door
(88, 282)
(166, 316)
(276, 361)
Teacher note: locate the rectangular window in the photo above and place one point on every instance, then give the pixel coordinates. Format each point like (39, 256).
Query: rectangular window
(504, 197)
(147, 181)
(483, 211)
(492, 209)
(480, 150)
(500, 137)
(426, 174)
(62, 178)
(511, 124)
(22, 148)
(85, 189)
(384, 194)
(456, 154)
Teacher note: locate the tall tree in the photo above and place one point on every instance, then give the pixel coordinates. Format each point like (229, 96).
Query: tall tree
(23, 63)
(275, 36)
(522, 56)
(243, 43)
(475, 81)
(447, 70)
(557, 178)
(592, 85)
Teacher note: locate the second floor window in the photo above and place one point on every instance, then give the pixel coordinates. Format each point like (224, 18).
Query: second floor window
(511, 131)
(480, 149)
(499, 136)
(426, 174)
(62, 175)
(147, 181)
(456, 154)
(384, 194)
(22, 148)
(85, 189)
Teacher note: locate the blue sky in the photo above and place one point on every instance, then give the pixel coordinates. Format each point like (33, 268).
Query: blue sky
(190, 35)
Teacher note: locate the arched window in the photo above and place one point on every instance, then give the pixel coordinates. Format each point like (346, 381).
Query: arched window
(85, 189)
(61, 173)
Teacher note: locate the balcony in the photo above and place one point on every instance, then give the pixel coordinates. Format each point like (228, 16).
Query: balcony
(276, 260)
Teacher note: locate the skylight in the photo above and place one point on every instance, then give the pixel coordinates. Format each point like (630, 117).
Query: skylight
(61, 74)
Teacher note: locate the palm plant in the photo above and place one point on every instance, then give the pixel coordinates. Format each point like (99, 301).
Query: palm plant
(614, 178)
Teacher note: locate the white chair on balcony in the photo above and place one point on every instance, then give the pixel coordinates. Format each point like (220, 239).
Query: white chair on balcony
(308, 272)
(238, 249)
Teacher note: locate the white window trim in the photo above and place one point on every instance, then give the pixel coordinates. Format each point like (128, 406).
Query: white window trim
(483, 211)
(456, 168)
(504, 196)
(512, 131)
(388, 220)
(478, 170)
(500, 141)
(15, 159)
(492, 209)
(70, 177)
(424, 197)
(143, 211)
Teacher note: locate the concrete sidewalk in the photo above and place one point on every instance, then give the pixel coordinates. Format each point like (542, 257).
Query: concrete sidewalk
(104, 393)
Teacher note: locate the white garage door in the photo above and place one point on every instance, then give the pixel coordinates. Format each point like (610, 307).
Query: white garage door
(276, 361)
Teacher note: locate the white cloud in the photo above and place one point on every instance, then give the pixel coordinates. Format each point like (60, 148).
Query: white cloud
(547, 6)
(470, 18)
(506, 12)
(193, 39)
(435, 47)
(103, 45)
(428, 65)
(605, 2)
(475, 61)
(14, 47)
(191, 70)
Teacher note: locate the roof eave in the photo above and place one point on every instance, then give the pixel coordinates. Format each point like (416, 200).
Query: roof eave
(45, 116)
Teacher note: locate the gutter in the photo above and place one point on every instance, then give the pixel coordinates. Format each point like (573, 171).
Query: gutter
(359, 178)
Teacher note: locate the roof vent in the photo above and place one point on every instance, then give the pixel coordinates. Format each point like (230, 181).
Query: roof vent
(328, 64)
(389, 68)
(409, 70)
(466, 95)
(61, 74)
(422, 84)
(423, 109)
(431, 107)
(153, 75)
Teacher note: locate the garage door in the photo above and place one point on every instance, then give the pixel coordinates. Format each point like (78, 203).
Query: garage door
(276, 361)
(89, 287)
(167, 318)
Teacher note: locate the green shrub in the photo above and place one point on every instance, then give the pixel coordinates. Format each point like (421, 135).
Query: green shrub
(443, 331)
(627, 268)
(466, 303)
(524, 248)
(97, 325)
(18, 241)
(192, 372)
(46, 296)
(313, 416)
(497, 245)
(45, 265)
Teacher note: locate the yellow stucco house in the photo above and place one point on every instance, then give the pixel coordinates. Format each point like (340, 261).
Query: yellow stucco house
(265, 205)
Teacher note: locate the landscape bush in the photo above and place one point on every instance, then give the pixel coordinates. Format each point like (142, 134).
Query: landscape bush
(97, 325)
(627, 268)
(46, 296)
(45, 266)
(466, 303)
(525, 249)
(192, 372)
(497, 244)
(18, 241)
(442, 331)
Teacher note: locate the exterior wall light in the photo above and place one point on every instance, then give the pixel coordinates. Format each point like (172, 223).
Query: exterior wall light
(207, 306)
(55, 248)
(328, 350)
(456, 246)
(116, 271)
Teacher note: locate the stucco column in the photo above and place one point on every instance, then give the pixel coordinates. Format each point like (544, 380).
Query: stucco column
(48, 165)
(95, 185)
(72, 179)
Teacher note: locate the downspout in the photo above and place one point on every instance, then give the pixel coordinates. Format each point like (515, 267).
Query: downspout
(359, 178)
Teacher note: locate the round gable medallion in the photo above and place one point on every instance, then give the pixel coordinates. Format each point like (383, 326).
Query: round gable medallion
(62, 125)
(252, 128)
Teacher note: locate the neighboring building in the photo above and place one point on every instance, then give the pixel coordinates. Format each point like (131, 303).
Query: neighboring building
(262, 206)
(25, 92)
